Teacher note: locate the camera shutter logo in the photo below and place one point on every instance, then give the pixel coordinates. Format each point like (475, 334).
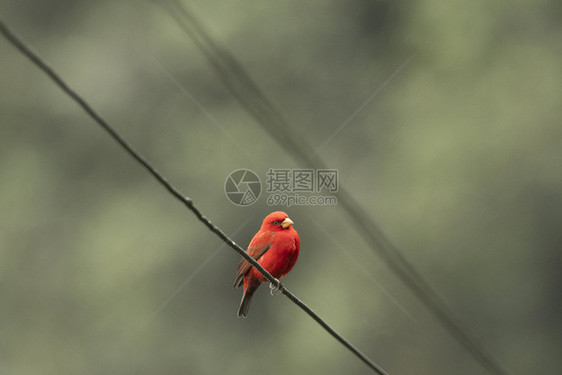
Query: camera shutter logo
(242, 187)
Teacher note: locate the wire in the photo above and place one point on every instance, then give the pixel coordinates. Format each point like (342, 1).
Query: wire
(243, 88)
(21, 46)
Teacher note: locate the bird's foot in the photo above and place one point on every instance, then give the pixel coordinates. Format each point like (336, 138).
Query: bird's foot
(276, 290)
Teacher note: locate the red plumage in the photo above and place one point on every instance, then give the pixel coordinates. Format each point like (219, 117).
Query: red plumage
(276, 248)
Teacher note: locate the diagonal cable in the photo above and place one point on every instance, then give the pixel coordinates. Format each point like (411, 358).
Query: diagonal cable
(18, 44)
(192, 275)
(363, 105)
(243, 88)
(363, 269)
(198, 104)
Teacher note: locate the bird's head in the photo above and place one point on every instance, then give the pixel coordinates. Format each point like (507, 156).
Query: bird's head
(277, 221)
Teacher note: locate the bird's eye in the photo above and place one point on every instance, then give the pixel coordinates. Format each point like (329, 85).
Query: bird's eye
(275, 222)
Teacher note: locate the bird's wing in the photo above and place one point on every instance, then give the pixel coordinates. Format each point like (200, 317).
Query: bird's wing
(255, 251)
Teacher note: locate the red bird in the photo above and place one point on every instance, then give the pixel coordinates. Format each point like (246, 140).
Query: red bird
(276, 248)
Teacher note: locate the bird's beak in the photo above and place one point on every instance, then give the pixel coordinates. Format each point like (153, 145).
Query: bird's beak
(287, 223)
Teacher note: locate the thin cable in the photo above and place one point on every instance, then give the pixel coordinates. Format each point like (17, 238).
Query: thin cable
(363, 105)
(16, 42)
(364, 270)
(243, 88)
(190, 96)
(192, 275)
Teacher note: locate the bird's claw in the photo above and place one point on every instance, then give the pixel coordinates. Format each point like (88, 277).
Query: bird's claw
(276, 290)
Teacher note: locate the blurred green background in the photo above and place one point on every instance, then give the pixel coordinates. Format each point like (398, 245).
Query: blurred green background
(458, 157)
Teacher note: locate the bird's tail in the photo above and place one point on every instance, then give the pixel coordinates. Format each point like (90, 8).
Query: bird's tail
(245, 303)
